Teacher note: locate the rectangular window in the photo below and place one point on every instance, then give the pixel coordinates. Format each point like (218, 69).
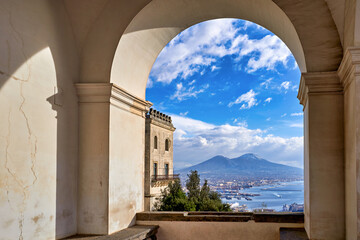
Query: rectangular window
(155, 169)
(166, 169)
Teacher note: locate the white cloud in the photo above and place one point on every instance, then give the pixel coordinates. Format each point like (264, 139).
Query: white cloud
(149, 83)
(268, 100)
(196, 141)
(266, 83)
(183, 93)
(297, 114)
(268, 119)
(248, 99)
(200, 46)
(284, 115)
(249, 24)
(285, 85)
(192, 82)
(184, 113)
(270, 49)
(213, 68)
(296, 125)
(240, 122)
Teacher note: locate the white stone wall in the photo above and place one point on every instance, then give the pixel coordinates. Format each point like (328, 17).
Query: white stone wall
(177, 230)
(38, 121)
(126, 176)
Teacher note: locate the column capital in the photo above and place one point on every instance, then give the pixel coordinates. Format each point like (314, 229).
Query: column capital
(112, 94)
(318, 83)
(350, 66)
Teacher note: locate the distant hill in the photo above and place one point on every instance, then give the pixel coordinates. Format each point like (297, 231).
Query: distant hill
(247, 165)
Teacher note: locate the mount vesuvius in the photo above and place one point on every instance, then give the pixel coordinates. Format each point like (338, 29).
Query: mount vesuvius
(247, 165)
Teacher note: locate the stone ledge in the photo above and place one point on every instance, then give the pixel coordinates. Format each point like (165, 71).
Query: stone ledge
(137, 232)
(221, 217)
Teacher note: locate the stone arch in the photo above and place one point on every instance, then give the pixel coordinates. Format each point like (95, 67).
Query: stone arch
(157, 23)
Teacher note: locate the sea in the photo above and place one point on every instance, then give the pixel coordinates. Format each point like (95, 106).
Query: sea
(274, 196)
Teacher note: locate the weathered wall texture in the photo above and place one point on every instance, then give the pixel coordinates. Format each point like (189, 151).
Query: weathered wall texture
(38, 121)
(218, 230)
(126, 176)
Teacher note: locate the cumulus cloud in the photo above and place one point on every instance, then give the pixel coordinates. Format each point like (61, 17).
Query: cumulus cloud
(297, 114)
(248, 100)
(196, 141)
(200, 46)
(182, 92)
(271, 51)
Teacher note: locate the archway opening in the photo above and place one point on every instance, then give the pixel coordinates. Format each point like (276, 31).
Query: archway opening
(230, 87)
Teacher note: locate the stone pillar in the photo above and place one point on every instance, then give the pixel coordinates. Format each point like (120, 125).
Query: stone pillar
(111, 157)
(321, 94)
(349, 73)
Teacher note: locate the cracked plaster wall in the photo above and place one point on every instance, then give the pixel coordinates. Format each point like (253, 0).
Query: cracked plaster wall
(38, 121)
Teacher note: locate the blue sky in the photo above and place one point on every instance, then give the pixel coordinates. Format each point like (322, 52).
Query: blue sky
(230, 86)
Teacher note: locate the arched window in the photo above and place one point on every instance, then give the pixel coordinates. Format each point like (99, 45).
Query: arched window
(167, 143)
(155, 142)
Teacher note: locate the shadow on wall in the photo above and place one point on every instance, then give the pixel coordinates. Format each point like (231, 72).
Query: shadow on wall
(29, 56)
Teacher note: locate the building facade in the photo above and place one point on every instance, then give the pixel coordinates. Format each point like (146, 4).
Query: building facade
(158, 156)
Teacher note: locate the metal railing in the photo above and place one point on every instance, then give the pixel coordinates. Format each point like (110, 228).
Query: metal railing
(165, 177)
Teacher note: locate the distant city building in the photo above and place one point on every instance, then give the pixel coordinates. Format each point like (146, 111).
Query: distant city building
(293, 207)
(158, 155)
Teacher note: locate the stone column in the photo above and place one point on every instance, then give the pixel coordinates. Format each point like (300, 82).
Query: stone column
(321, 94)
(349, 73)
(111, 157)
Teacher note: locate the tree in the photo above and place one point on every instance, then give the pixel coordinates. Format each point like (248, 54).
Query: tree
(173, 197)
(193, 185)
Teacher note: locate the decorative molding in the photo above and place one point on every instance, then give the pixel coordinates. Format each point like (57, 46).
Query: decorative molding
(350, 66)
(318, 83)
(112, 94)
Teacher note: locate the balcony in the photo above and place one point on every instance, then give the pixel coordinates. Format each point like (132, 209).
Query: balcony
(169, 177)
(163, 180)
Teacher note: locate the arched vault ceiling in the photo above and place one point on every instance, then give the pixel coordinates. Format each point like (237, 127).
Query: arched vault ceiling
(337, 9)
(317, 31)
(99, 24)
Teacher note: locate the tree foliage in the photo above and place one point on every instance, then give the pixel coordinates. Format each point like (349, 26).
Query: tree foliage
(173, 198)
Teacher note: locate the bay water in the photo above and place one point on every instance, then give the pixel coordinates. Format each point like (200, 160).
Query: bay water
(274, 196)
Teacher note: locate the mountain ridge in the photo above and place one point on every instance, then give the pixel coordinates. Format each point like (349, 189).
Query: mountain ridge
(246, 165)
